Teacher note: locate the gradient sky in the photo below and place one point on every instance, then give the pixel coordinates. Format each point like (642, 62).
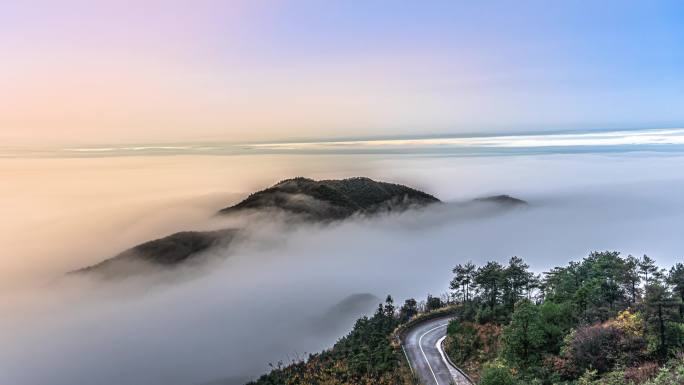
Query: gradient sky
(161, 71)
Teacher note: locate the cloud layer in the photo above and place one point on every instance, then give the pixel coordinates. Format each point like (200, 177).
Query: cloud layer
(263, 300)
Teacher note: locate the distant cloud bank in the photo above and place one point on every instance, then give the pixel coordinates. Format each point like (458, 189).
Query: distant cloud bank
(597, 141)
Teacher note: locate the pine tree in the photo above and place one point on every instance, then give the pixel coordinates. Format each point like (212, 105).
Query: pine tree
(647, 268)
(463, 280)
(676, 279)
(659, 306)
(631, 278)
(489, 279)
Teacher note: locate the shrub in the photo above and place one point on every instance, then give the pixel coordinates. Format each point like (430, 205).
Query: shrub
(631, 346)
(433, 303)
(557, 320)
(670, 374)
(589, 347)
(524, 336)
(471, 345)
(497, 374)
(641, 373)
(462, 341)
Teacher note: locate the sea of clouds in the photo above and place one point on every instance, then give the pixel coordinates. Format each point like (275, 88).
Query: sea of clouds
(264, 300)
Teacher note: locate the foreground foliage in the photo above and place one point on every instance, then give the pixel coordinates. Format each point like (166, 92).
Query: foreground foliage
(470, 345)
(607, 319)
(364, 357)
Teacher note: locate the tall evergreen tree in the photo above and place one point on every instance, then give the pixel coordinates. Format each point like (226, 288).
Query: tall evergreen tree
(463, 279)
(389, 307)
(659, 308)
(632, 278)
(515, 279)
(647, 268)
(489, 279)
(676, 279)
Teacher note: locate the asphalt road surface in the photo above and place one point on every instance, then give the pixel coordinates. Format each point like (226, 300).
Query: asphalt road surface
(427, 360)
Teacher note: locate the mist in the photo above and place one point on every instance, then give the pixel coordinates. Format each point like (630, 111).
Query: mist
(263, 300)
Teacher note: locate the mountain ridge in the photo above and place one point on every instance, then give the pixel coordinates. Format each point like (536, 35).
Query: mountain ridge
(306, 199)
(334, 198)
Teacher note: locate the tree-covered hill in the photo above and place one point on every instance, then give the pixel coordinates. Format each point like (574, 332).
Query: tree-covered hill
(333, 199)
(168, 251)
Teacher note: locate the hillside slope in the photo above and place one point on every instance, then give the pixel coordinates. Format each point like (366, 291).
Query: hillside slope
(168, 251)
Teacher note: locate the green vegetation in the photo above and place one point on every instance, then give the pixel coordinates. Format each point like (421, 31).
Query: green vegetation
(497, 374)
(606, 319)
(365, 356)
(168, 251)
(470, 345)
(327, 200)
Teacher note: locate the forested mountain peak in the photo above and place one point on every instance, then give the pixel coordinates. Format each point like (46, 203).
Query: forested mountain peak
(333, 198)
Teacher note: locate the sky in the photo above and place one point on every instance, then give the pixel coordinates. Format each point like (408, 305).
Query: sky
(83, 72)
(123, 121)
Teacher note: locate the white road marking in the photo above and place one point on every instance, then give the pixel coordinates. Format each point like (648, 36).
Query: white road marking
(407, 358)
(452, 370)
(438, 345)
(420, 345)
(455, 372)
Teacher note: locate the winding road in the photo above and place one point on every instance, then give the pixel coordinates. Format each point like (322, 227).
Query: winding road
(422, 346)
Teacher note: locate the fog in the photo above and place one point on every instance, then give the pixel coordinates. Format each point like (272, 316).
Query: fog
(269, 297)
